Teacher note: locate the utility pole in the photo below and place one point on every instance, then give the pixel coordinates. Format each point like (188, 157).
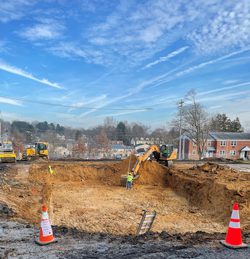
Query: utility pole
(180, 106)
(0, 127)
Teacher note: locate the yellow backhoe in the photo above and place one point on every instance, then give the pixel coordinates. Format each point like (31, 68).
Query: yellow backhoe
(7, 154)
(164, 153)
(39, 149)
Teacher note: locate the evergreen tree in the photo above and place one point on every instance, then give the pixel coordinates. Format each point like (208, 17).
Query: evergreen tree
(222, 123)
(236, 126)
(42, 126)
(122, 134)
(59, 129)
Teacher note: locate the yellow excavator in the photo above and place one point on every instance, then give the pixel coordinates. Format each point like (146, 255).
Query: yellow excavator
(165, 153)
(7, 154)
(39, 149)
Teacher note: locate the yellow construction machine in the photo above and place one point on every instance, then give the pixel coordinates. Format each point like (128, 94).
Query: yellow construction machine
(165, 154)
(7, 154)
(39, 149)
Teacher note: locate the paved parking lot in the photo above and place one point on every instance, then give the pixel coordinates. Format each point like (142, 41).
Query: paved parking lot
(240, 167)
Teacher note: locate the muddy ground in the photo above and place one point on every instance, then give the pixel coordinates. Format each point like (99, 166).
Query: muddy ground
(94, 216)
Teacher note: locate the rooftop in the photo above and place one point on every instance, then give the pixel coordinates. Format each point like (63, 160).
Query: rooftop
(230, 135)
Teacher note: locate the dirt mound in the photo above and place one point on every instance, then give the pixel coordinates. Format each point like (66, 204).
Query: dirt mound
(214, 168)
(96, 173)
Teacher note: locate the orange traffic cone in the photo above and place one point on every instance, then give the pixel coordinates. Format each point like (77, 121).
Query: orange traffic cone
(233, 237)
(46, 234)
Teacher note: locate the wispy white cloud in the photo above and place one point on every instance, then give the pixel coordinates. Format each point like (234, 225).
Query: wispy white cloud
(229, 82)
(68, 49)
(76, 51)
(210, 62)
(20, 72)
(104, 104)
(48, 29)
(167, 77)
(105, 75)
(130, 33)
(177, 72)
(121, 113)
(139, 30)
(14, 9)
(227, 30)
(112, 100)
(225, 96)
(10, 101)
(86, 102)
(215, 107)
(223, 89)
(165, 58)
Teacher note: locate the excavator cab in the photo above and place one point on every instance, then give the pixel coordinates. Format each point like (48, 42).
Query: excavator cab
(166, 150)
(42, 149)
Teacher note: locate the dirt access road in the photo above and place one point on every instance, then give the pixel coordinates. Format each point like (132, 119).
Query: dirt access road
(95, 217)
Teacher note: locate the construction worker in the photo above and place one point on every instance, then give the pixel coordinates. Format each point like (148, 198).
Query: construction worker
(129, 181)
(51, 171)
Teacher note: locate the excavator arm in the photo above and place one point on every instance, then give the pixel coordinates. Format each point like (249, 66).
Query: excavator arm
(153, 149)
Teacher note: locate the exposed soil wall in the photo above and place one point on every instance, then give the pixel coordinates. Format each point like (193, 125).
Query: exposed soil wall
(214, 189)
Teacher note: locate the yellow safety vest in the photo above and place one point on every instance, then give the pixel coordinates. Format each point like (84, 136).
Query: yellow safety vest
(50, 170)
(130, 178)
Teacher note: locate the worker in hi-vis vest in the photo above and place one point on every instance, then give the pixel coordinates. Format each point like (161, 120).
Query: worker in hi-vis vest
(129, 181)
(51, 171)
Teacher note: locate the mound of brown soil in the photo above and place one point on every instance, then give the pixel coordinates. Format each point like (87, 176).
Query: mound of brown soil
(151, 173)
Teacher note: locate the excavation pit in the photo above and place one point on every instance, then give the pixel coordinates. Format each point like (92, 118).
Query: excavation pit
(88, 196)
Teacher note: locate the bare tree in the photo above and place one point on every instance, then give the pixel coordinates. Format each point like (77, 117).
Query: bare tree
(196, 122)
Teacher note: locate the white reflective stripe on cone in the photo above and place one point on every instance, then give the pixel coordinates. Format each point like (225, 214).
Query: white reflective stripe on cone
(234, 224)
(235, 214)
(45, 215)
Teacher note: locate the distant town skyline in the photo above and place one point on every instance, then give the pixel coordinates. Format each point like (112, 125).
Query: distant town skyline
(77, 62)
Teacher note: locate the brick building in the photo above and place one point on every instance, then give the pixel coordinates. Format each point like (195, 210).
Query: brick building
(230, 145)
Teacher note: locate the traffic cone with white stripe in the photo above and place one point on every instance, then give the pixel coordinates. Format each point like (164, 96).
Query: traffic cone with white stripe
(46, 234)
(233, 237)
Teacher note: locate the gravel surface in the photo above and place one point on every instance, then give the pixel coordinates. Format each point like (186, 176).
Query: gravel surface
(17, 241)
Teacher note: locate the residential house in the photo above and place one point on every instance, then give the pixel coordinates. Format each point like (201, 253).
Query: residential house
(229, 145)
(61, 152)
(120, 151)
(149, 141)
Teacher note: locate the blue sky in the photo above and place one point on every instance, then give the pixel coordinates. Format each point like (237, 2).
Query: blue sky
(99, 58)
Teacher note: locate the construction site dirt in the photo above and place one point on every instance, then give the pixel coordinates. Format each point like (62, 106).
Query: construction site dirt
(93, 216)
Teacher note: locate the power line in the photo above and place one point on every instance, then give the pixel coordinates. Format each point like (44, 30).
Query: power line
(75, 106)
